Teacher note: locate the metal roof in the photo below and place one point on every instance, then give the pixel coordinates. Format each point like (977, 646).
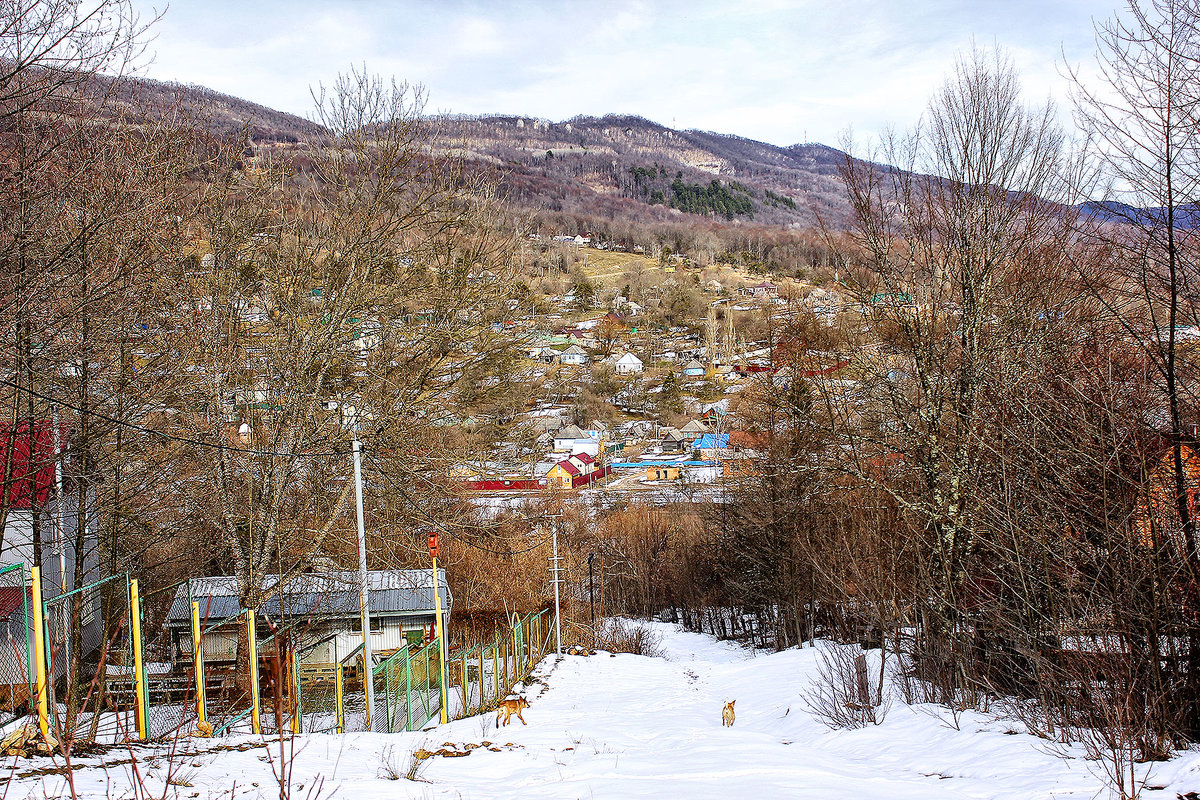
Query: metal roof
(335, 594)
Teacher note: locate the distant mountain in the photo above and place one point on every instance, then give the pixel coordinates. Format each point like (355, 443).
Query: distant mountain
(616, 168)
(1186, 216)
(620, 166)
(222, 114)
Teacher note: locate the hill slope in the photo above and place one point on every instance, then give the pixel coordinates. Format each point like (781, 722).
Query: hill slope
(626, 166)
(590, 166)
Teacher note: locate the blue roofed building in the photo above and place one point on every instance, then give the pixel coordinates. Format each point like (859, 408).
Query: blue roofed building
(711, 445)
(317, 613)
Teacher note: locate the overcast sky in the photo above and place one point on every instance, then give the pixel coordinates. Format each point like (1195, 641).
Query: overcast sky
(781, 71)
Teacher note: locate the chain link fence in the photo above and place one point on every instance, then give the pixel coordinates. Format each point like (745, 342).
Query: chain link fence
(16, 656)
(90, 670)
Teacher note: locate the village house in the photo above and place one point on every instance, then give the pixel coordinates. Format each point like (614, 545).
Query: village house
(574, 355)
(742, 460)
(711, 445)
(578, 470)
(694, 430)
(573, 440)
(694, 369)
(597, 429)
(672, 441)
(663, 472)
(766, 289)
(628, 364)
(316, 614)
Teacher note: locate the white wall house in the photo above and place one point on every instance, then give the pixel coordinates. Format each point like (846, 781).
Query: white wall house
(628, 364)
(574, 355)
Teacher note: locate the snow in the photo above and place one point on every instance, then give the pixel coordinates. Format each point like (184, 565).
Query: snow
(628, 726)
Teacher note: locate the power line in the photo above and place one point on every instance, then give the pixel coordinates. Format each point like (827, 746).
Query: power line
(161, 434)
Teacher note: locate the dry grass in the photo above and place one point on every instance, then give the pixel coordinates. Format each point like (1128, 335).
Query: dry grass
(607, 266)
(628, 636)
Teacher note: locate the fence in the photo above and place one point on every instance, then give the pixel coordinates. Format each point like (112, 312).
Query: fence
(92, 673)
(408, 685)
(408, 689)
(485, 674)
(16, 657)
(76, 658)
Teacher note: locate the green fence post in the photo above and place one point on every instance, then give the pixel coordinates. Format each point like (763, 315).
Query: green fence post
(28, 640)
(408, 692)
(482, 683)
(298, 719)
(465, 688)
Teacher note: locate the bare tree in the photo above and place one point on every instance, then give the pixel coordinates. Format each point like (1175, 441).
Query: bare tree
(947, 239)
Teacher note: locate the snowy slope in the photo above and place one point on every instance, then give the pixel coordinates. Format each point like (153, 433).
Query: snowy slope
(624, 726)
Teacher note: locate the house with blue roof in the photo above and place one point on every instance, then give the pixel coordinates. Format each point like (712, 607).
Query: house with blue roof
(710, 445)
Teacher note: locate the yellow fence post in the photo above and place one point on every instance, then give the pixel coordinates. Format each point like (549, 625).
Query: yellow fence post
(297, 708)
(139, 681)
(443, 666)
(516, 648)
(337, 690)
(39, 653)
(252, 646)
(198, 661)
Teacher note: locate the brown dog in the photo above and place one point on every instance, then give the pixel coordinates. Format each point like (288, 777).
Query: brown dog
(509, 707)
(727, 714)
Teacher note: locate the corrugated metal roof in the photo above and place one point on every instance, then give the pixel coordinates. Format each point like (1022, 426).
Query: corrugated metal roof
(401, 591)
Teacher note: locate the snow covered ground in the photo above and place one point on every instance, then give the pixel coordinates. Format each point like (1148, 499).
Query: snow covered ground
(625, 726)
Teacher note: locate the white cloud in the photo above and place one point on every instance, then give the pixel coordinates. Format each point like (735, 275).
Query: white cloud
(774, 70)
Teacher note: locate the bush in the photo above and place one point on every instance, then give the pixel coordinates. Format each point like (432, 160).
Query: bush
(626, 636)
(844, 694)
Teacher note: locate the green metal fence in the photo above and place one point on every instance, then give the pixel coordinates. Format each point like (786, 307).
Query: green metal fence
(408, 684)
(90, 664)
(483, 675)
(16, 652)
(408, 689)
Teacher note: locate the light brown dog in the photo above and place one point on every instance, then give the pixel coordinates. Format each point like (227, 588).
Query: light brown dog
(727, 714)
(509, 707)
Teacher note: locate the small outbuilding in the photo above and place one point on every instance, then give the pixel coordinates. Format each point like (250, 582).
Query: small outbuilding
(316, 613)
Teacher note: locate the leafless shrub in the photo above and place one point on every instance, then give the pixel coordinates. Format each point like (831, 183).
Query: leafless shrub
(389, 768)
(418, 759)
(626, 636)
(844, 694)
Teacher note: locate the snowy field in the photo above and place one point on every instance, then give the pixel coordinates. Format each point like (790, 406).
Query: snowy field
(624, 726)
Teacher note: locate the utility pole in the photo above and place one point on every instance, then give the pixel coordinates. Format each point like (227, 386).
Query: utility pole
(555, 570)
(443, 667)
(364, 594)
(592, 594)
